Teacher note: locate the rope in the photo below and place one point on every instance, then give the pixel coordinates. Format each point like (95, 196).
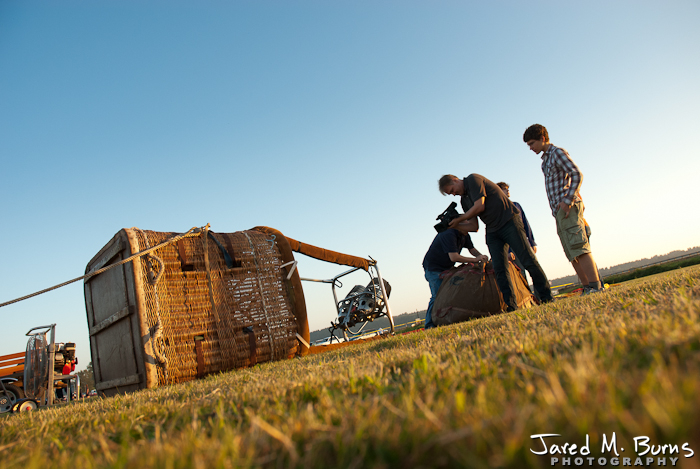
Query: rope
(157, 330)
(224, 352)
(191, 233)
(214, 311)
(160, 357)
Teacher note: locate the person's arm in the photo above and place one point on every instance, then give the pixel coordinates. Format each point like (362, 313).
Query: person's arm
(564, 161)
(479, 257)
(457, 257)
(471, 213)
(528, 231)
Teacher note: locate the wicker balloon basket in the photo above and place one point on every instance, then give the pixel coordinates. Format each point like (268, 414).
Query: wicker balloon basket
(205, 303)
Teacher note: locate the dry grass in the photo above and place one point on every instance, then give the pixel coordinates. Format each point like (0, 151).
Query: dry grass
(469, 395)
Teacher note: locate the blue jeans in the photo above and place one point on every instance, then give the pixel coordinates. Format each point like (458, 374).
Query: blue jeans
(434, 281)
(513, 234)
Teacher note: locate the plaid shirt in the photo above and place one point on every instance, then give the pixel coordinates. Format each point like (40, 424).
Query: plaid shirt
(562, 178)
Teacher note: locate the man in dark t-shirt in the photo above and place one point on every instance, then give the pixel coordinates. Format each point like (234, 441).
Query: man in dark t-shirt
(442, 255)
(504, 227)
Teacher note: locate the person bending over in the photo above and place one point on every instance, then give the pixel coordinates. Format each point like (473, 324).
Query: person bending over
(442, 255)
(504, 227)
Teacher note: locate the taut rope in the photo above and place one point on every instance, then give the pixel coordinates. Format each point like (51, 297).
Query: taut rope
(194, 231)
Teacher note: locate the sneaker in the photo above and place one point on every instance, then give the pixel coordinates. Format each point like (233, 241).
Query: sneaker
(588, 290)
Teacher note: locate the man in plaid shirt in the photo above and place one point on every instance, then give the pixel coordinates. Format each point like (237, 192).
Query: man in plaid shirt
(563, 180)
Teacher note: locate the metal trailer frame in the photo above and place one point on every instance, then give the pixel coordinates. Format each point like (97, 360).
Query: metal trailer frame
(335, 283)
(10, 362)
(31, 404)
(5, 398)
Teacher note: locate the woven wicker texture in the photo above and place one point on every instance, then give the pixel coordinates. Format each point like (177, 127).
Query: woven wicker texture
(191, 303)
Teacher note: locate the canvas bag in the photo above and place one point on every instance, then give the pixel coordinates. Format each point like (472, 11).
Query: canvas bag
(469, 291)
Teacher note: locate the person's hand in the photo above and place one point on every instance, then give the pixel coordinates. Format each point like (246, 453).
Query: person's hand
(567, 208)
(454, 223)
(512, 256)
(482, 258)
(534, 249)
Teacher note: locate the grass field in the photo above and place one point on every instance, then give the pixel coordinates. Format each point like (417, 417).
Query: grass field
(470, 395)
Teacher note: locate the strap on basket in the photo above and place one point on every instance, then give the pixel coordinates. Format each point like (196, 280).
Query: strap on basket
(230, 262)
(253, 345)
(200, 355)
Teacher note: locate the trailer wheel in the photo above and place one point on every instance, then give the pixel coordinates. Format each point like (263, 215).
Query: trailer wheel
(5, 403)
(7, 400)
(25, 405)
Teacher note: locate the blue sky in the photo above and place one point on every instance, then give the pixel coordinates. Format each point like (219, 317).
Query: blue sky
(332, 121)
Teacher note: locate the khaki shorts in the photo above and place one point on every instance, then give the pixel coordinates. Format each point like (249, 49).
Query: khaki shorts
(572, 232)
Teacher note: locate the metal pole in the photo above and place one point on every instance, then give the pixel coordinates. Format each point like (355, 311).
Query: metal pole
(52, 362)
(386, 297)
(335, 297)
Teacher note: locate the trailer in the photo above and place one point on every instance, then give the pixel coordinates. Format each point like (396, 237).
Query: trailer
(30, 379)
(11, 374)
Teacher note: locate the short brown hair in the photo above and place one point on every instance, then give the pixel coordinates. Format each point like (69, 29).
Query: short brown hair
(536, 132)
(503, 185)
(445, 181)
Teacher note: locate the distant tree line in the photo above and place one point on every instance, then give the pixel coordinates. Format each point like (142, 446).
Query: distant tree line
(627, 266)
(653, 269)
(87, 378)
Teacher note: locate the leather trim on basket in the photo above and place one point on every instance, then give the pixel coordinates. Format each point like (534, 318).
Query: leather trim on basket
(253, 345)
(185, 265)
(200, 355)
